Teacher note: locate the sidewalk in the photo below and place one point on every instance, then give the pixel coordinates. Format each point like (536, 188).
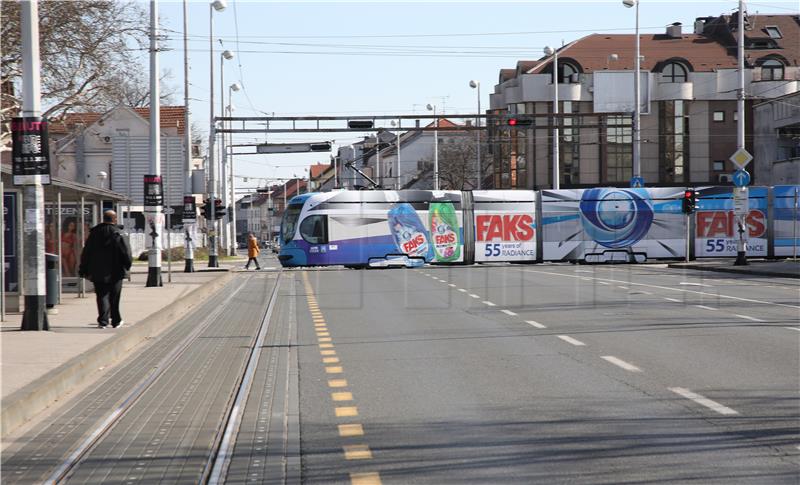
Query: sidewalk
(38, 368)
(756, 267)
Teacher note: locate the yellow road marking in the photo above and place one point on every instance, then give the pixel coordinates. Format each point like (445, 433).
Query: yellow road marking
(346, 411)
(348, 430)
(357, 452)
(327, 352)
(324, 339)
(326, 346)
(337, 383)
(365, 479)
(334, 370)
(323, 334)
(342, 396)
(330, 360)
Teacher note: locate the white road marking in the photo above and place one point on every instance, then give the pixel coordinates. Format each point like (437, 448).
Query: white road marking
(451, 284)
(713, 405)
(462, 290)
(603, 283)
(509, 312)
(568, 339)
(488, 303)
(752, 319)
(622, 287)
(793, 328)
(675, 300)
(688, 283)
(706, 308)
(749, 300)
(582, 271)
(620, 363)
(473, 295)
(535, 324)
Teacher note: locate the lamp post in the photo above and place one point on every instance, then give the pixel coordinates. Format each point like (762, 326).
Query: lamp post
(397, 164)
(477, 85)
(231, 179)
(549, 51)
(225, 55)
(189, 218)
(213, 262)
(637, 94)
(432, 107)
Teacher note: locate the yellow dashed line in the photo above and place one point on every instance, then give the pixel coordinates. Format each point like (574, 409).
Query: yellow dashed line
(365, 479)
(323, 334)
(337, 383)
(357, 452)
(349, 430)
(324, 339)
(327, 352)
(346, 411)
(326, 346)
(334, 370)
(342, 396)
(330, 360)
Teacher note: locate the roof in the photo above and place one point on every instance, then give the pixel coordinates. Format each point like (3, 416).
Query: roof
(318, 169)
(171, 117)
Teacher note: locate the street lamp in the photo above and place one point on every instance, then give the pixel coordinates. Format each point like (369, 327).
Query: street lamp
(637, 165)
(397, 165)
(231, 180)
(432, 107)
(549, 51)
(219, 6)
(477, 85)
(225, 226)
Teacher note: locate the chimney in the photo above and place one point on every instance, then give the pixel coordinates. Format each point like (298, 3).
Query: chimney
(699, 26)
(674, 31)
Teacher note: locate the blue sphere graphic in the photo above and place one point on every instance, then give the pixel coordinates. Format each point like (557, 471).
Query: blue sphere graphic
(615, 218)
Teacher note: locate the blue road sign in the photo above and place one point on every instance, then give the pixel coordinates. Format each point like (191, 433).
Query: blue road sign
(741, 178)
(637, 182)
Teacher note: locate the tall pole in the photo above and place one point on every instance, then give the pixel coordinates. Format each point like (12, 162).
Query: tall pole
(378, 159)
(436, 152)
(478, 138)
(741, 250)
(397, 172)
(154, 213)
(637, 93)
(231, 183)
(224, 236)
(212, 135)
(189, 224)
(556, 155)
(34, 317)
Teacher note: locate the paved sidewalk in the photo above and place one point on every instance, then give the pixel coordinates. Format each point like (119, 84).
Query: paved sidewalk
(757, 267)
(29, 361)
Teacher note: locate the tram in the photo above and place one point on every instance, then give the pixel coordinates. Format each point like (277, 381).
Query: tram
(381, 228)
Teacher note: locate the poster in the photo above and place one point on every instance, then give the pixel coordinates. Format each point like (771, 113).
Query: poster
(70, 234)
(30, 152)
(11, 254)
(716, 228)
(505, 227)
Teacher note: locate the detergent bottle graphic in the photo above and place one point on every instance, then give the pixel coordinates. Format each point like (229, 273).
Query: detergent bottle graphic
(409, 232)
(444, 231)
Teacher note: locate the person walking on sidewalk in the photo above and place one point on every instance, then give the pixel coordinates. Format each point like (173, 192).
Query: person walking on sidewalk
(105, 261)
(252, 251)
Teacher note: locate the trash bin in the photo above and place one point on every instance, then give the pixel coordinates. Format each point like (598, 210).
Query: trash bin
(51, 279)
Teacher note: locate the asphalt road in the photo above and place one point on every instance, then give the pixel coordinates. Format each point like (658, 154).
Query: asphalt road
(482, 374)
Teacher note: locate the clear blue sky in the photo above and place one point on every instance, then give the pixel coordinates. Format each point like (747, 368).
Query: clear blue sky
(335, 57)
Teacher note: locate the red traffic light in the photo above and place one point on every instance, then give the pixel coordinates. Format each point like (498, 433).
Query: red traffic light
(688, 194)
(512, 122)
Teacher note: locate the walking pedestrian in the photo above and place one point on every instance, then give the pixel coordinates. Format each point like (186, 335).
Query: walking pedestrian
(252, 251)
(105, 261)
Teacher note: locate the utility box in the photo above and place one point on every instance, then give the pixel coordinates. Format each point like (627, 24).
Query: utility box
(51, 279)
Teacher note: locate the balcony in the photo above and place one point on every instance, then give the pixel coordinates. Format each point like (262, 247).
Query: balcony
(673, 91)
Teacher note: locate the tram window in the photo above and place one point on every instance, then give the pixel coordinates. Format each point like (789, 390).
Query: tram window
(314, 229)
(289, 223)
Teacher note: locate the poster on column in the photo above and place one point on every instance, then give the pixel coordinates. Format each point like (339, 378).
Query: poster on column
(505, 228)
(786, 219)
(69, 236)
(715, 221)
(11, 254)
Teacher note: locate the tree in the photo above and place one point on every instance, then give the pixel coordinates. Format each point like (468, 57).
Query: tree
(86, 48)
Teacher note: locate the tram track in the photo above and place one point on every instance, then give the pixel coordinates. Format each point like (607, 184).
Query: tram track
(217, 461)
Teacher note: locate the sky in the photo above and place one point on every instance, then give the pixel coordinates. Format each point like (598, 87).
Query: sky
(304, 58)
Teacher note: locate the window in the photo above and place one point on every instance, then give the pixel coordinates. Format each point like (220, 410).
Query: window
(674, 146)
(719, 116)
(674, 72)
(314, 229)
(289, 223)
(619, 149)
(569, 73)
(772, 70)
(774, 32)
(569, 149)
(719, 165)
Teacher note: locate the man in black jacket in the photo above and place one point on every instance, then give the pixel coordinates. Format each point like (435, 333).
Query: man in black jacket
(105, 260)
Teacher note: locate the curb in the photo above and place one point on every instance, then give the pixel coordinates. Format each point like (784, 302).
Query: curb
(24, 404)
(723, 269)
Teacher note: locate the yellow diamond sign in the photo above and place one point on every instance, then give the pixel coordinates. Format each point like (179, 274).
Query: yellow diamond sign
(741, 158)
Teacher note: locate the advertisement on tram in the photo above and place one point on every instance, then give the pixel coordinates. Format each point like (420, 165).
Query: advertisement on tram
(505, 225)
(716, 232)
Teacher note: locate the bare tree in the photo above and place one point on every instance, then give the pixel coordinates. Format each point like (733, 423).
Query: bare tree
(86, 48)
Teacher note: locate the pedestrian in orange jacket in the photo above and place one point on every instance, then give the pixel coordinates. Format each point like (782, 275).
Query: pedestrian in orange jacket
(252, 251)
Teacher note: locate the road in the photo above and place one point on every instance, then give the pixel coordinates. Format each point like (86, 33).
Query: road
(483, 374)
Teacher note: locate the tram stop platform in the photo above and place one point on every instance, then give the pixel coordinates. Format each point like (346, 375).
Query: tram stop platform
(38, 369)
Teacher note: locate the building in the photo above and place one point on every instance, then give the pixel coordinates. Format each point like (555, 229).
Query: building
(777, 129)
(689, 91)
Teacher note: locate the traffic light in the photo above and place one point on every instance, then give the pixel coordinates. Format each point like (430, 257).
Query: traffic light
(219, 210)
(689, 201)
(205, 209)
(519, 122)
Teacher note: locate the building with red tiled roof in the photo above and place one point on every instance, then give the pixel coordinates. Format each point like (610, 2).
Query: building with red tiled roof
(689, 92)
(172, 120)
